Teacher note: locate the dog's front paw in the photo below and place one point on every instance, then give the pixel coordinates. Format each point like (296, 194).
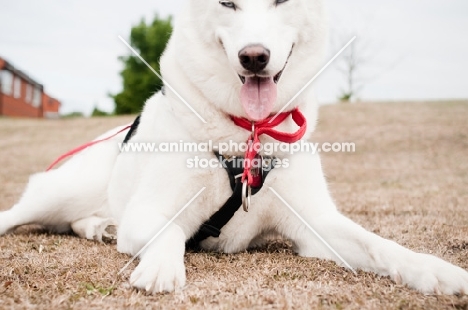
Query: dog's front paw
(432, 275)
(159, 274)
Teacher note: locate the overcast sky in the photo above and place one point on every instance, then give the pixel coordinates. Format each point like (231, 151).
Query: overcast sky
(415, 49)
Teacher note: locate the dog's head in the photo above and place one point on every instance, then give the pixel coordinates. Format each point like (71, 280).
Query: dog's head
(250, 57)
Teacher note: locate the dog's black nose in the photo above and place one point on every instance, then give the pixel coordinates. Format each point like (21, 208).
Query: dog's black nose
(254, 58)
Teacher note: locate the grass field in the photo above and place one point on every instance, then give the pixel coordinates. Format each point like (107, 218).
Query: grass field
(408, 181)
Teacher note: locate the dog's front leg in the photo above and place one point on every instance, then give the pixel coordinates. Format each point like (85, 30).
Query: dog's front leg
(364, 250)
(357, 247)
(161, 267)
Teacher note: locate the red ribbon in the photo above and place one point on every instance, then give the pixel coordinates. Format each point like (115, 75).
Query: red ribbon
(266, 127)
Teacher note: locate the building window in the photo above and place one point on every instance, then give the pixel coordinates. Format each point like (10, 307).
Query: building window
(29, 93)
(6, 82)
(17, 88)
(36, 98)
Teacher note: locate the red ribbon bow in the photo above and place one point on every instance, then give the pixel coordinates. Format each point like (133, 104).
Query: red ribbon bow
(266, 127)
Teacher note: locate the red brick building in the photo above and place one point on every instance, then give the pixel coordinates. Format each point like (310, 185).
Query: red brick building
(21, 96)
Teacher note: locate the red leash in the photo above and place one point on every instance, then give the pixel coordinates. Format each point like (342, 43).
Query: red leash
(265, 127)
(82, 147)
(259, 128)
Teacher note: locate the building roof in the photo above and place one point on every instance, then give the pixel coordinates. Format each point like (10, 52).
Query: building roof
(8, 66)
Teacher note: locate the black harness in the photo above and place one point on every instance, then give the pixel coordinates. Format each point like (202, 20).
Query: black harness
(133, 129)
(212, 227)
(234, 168)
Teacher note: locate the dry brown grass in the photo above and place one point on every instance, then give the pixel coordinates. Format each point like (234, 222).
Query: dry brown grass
(408, 181)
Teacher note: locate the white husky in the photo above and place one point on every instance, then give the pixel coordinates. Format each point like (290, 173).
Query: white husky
(238, 58)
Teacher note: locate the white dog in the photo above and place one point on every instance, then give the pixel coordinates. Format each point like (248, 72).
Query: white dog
(238, 58)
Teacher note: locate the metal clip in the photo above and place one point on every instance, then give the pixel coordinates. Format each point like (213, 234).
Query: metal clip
(246, 193)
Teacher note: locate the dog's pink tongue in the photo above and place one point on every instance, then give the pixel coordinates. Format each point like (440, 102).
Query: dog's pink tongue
(258, 96)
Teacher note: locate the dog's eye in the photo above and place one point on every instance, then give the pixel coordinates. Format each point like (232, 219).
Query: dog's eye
(228, 4)
(278, 2)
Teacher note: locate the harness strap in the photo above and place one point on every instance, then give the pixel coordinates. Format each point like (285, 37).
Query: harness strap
(133, 129)
(212, 227)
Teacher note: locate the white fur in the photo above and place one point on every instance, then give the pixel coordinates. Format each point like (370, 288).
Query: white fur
(141, 192)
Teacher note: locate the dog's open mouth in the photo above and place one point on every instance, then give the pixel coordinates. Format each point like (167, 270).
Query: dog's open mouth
(276, 78)
(258, 94)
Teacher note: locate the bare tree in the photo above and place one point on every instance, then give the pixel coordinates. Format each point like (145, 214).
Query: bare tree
(360, 65)
(352, 67)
